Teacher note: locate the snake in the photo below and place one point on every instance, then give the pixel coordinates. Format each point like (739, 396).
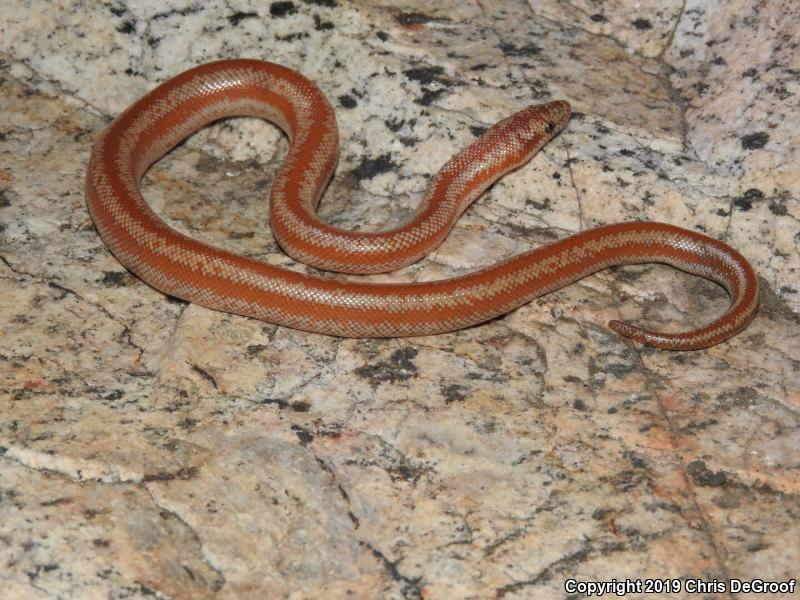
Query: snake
(317, 301)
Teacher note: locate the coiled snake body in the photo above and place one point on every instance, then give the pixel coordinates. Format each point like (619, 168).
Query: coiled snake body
(183, 267)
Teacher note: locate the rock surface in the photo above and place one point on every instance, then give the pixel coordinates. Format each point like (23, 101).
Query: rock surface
(150, 447)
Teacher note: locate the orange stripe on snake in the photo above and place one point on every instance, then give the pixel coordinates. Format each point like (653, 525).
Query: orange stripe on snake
(189, 269)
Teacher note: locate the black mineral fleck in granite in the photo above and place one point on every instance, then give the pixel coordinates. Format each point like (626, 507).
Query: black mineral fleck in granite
(425, 75)
(370, 167)
(347, 101)
(454, 392)
(321, 25)
(754, 141)
(399, 367)
(745, 202)
(778, 208)
(510, 49)
(281, 9)
(127, 27)
(413, 18)
(703, 476)
(304, 436)
(114, 278)
(240, 16)
(429, 97)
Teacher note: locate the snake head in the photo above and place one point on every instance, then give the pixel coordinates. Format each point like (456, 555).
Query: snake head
(523, 134)
(537, 124)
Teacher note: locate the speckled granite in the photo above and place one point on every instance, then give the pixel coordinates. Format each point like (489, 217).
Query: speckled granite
(150, 447)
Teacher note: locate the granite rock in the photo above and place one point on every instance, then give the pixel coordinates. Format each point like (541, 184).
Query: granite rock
(152, 447)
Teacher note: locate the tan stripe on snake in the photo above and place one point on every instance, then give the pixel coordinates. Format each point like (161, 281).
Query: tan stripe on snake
(183, 267)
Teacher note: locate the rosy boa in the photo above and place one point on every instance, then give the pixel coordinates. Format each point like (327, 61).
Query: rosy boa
(183, 267)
